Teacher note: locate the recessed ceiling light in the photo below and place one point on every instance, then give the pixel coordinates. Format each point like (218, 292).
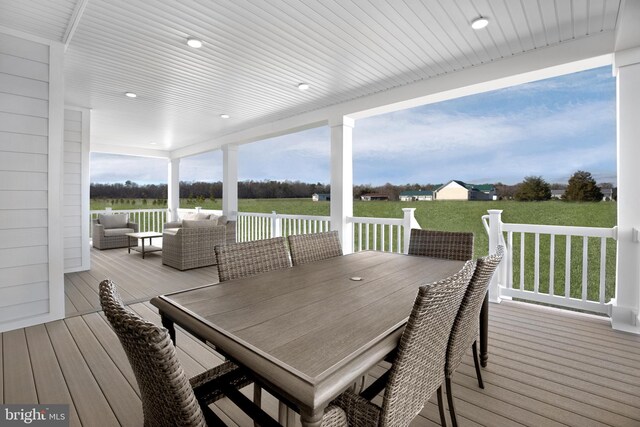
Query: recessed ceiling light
(194, 43)
(303, 86)
(479, 23)
(152, 143)
(224, 116)
(130, 94)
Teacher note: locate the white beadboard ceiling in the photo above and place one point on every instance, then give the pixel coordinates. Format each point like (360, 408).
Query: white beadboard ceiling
(256, 52)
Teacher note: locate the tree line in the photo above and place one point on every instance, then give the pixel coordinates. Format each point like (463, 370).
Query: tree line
(581, 187)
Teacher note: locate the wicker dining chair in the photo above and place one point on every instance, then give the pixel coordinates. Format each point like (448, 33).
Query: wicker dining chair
(237, 260)
(418, 369)
(169, 398)
(441, 244)
(465, 328)
(314, 247)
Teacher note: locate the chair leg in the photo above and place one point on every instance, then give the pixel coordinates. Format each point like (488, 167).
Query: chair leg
(452, 411)
(257, 399)
(443, 420)
(476, 362)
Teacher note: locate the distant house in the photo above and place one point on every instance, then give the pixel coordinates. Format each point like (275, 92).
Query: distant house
(374, 196)
(416, 195)
(458, 190)
(317, 197)
(607, 194)
(557, 194)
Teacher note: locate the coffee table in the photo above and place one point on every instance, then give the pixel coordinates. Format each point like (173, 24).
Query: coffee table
(141, 236)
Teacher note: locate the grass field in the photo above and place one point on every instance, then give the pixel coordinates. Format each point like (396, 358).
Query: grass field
(465, 216)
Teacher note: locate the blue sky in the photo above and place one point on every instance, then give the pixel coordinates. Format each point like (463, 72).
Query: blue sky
(549, 128)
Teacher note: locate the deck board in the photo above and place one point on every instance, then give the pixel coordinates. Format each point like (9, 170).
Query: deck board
(49, 379)
(546, 366)
(19, 385)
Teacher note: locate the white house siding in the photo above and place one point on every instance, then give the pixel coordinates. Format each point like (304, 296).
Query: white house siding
(31, 160)
(75, 232)
(24, 142)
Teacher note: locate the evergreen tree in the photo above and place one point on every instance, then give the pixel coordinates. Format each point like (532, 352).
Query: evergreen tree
(533, 188)
(582, 188)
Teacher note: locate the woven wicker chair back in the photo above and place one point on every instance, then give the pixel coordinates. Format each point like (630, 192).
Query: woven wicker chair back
(441, 244)
(465, 328)
(418, 370)
(167, 396)
(314, 247)
(238, 260)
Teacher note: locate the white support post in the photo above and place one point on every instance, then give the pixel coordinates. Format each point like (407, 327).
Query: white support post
(409, 222)
(230, 181)
(495, 228)
(624, 310)
(276, 229)
(173, 189)
(342, 180)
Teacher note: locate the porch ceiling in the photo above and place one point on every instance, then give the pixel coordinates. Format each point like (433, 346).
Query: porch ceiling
(256, 52)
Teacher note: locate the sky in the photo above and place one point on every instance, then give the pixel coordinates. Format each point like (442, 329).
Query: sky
(549, 128)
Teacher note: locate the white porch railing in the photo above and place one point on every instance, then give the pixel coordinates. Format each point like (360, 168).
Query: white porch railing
(576, 256)
(379, 234)
(258, 226)
(147, 219)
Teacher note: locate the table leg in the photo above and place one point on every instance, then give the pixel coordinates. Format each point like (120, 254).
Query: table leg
(143, 248)
(168, 323)
(484, 331)
(311, 418)
(129, 244)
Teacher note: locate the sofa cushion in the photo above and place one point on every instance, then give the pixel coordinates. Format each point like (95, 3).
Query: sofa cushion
(114, 221)
(198, 223)
(196, 216)
(222, 220)
(117, 231)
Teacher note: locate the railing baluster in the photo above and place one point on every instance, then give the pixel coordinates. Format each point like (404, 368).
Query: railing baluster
(375, 237)
(585, 266)
(552, 263)
(359, 237)
(390, 238)
(521, 261)
(367, 233)
(567, 268)
(399, 233)
(510, 265)
(603, 269)
(536, 264)
(382, 237)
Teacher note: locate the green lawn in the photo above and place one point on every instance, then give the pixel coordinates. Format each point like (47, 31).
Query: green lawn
(465, 216)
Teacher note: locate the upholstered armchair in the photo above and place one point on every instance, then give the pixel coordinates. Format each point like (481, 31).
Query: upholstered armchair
(109, 231)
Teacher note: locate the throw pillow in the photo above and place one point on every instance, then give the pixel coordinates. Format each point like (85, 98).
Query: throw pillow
(114, 221)
(196, 216)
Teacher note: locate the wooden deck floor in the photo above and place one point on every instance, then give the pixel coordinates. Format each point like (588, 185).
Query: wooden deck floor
(137, 279)
(546, 368)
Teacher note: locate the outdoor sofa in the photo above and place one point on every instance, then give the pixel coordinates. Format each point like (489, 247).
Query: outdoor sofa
(109, 231)
(190, 243)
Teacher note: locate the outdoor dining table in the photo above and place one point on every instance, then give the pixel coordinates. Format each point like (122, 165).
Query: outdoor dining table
(308, 332)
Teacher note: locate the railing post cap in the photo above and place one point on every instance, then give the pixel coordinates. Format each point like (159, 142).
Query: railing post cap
(494, 211)
(408, 209)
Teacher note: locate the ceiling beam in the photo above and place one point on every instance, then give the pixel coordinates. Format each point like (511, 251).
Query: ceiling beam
(129, 151)
(73, 22)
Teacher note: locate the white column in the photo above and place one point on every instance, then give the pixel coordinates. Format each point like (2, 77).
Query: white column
(410, 222)
(173, 189)
(342, 179)
(624, 314)
(230, 181)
